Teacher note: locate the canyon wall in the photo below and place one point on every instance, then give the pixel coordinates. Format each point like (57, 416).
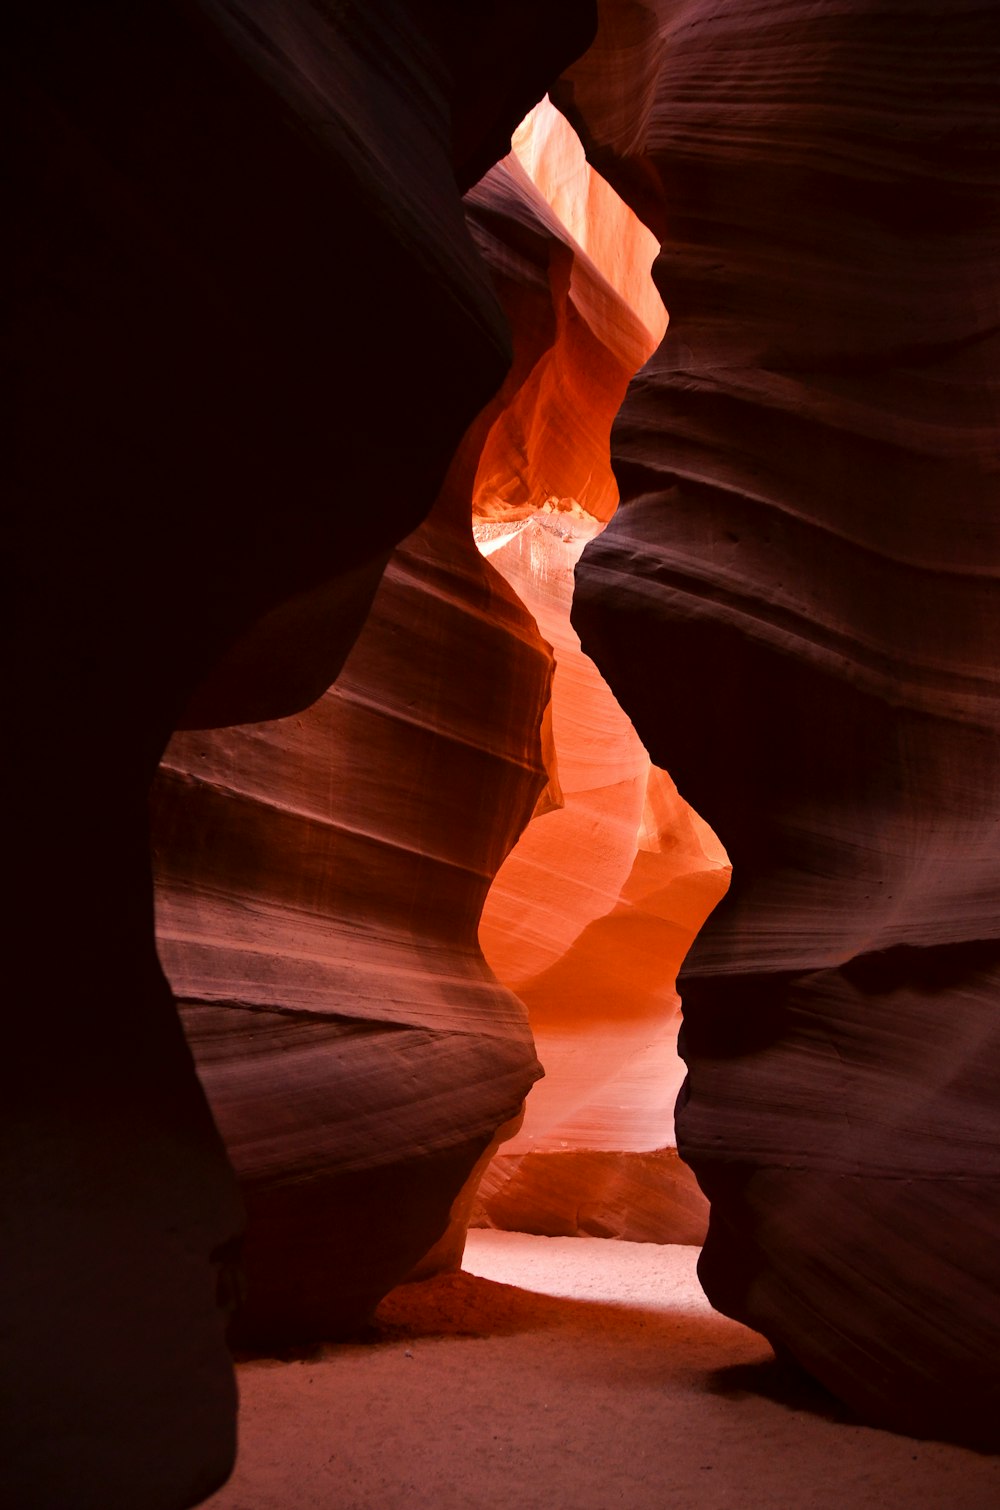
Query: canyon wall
(319, 885)
(236, 230)
(797, 605)
(320, 878)
(254, 337)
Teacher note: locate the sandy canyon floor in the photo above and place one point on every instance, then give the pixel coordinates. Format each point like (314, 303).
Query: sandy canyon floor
(569, 1374)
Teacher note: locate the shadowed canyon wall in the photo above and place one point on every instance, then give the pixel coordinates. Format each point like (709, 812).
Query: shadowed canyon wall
(797, 605)
(235, 228)
(320, 932)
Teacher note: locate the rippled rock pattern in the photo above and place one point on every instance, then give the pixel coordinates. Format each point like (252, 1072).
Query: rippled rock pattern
(320, 880)
(588, 921)
(591, 914)
(797, 605)
(571, 264)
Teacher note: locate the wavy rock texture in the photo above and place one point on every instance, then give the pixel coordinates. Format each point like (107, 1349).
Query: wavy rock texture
(588, 921)
(571, 266)
(591, 915)
(797, 604)
(230, 224)
(320, 881)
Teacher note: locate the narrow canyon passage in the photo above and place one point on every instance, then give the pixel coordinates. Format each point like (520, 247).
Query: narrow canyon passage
(592, 912)
(389, 574)
(380, 914)
(569, 1374)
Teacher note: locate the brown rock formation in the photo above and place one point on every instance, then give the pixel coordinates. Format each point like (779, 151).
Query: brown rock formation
(252, 329)
(796, 603)
(234, 225)
(320, 881)
(582, 1192)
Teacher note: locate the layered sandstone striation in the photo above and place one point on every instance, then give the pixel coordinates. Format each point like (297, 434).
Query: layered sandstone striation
(570, 263)
(588, 921)
(797, 605)
(320, 878)
(319, 885)
(592, 913)
(238, 228)
(234, 225)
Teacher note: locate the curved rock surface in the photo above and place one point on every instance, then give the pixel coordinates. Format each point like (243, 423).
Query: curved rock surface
(592, 913)
(320, 880)
(232, 224)
(581, 1192)
(578, 338)
(797, 605)
(588, 921)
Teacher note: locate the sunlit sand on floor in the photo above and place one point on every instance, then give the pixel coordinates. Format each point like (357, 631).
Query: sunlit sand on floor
(569, 1374)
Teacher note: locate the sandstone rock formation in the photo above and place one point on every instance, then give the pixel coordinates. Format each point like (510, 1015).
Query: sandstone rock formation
(591, 914)
(797, 605)
(588, 921)
(234, 225)
(320, 879)
(252, 329)
(571, 266)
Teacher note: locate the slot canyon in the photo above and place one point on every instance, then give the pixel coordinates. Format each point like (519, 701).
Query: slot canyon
(504, 758)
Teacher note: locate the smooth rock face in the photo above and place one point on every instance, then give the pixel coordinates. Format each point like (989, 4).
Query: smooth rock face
(588, 921)
(797, 605)
(232, 225)
(591, 914)
(320, 881)
(570, 264)
(630, 1196)
(321, 878)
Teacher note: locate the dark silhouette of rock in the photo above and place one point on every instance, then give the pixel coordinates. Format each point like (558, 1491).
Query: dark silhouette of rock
(250, 330)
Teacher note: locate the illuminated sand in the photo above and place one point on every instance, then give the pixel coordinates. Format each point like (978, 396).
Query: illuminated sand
(603, 1379)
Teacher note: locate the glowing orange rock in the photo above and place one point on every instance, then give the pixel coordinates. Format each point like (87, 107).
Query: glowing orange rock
(591, 915)
(611, 236)
(578, 338)
(593, 912)
(320, 879)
